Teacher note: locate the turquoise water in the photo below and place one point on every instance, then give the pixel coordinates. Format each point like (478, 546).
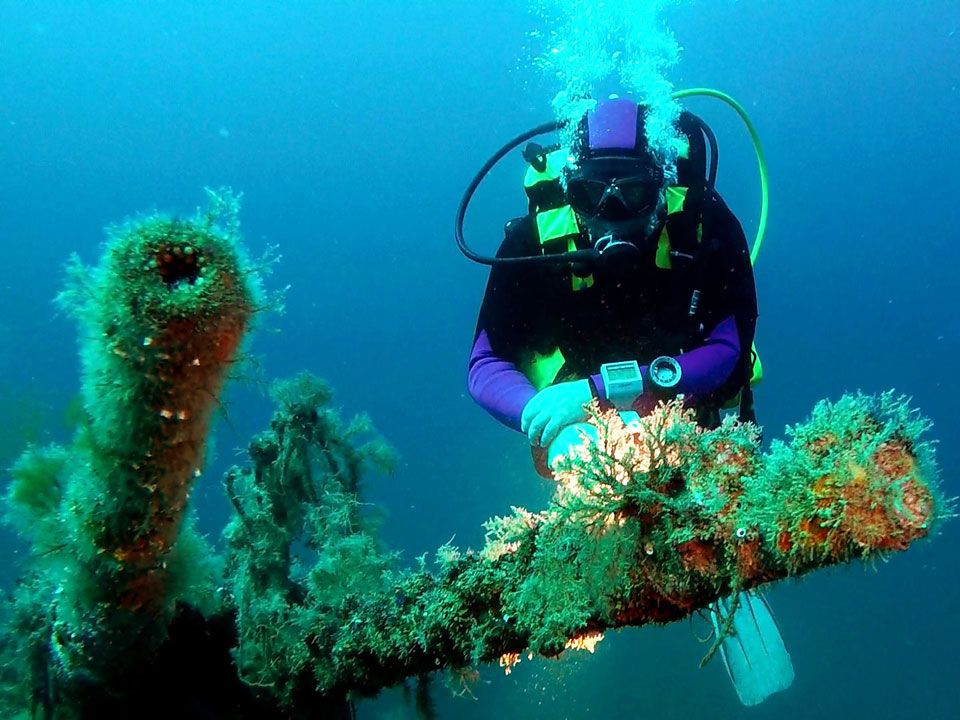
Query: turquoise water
(352, 128)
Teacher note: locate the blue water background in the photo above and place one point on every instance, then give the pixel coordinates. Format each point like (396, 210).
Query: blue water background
(351, 129)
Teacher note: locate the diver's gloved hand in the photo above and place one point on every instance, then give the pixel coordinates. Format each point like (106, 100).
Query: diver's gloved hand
(553, 408)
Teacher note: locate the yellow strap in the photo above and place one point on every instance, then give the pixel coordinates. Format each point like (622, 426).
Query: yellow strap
(757, 371)
(676, 196)
(543, 369)
(555, 162)
(558, 223)
(663, 251)
(580, 283)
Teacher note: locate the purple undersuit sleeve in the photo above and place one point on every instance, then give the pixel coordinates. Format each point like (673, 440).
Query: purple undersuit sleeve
(704, 369)
(496, 384)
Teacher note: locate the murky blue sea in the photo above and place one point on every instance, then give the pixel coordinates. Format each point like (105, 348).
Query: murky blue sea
(352, 128)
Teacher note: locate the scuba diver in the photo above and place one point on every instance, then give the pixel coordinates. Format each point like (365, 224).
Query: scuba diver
(673, 281)
(628, 285)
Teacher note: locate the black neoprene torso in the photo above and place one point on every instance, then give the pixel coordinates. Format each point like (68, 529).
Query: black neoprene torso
(639, 314)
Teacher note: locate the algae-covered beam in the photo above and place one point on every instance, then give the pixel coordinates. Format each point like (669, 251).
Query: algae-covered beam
(648, 524)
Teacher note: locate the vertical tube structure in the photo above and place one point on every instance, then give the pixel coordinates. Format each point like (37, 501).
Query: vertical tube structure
(162, 318)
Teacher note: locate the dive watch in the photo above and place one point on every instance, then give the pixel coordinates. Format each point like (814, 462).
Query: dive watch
(665, 373)
(623, 382)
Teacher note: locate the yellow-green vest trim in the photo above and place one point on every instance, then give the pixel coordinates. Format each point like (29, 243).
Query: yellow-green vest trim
(676, 199)
(556, 161)
(542, 370)
(556, 224)
(558, 230)
(756, 375)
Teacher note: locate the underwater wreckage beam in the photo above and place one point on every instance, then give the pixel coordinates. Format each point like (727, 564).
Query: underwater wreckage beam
(648, 525)
(161, 320)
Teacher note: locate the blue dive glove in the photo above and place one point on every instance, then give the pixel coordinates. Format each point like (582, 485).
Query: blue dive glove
(553, 408)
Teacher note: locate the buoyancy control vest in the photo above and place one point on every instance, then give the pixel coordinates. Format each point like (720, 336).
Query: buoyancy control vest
(679, 241)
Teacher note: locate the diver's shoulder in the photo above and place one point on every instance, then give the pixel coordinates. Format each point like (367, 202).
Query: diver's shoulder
(518, 227)
(715, 207)
(719, 220)
(518, 237)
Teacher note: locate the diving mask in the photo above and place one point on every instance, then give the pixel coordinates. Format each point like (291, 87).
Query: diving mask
(616, 199)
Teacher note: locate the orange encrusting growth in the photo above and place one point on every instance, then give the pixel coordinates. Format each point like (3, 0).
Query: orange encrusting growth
(169, 308)
(739, 527)
(649, 522)
(879, 505)
(162, 316)
(191, 370)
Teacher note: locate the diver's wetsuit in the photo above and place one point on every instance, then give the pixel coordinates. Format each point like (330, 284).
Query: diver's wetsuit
(635, 314)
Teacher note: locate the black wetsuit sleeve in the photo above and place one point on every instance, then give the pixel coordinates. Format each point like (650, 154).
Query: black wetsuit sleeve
(508, 319)
(729, 287)
(513, 313)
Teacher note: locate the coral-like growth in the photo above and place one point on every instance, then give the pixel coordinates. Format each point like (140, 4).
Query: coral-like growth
(161, 319)
(648, 524)
(299, 546)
